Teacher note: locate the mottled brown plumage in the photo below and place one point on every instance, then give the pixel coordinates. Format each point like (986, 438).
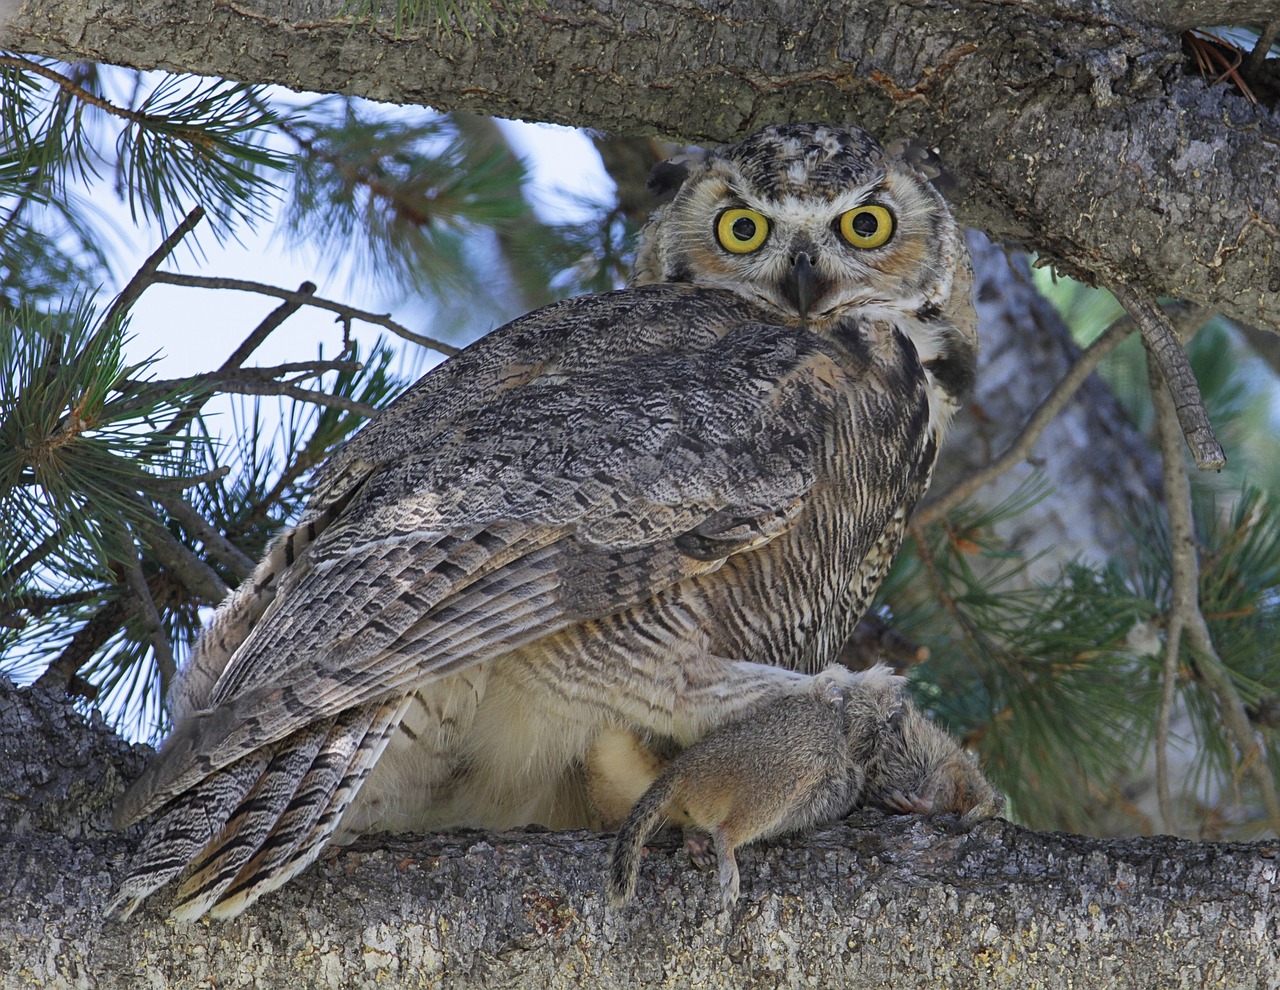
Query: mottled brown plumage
(646, 510)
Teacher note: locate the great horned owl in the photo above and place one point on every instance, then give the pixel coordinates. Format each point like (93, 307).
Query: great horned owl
(643, 511)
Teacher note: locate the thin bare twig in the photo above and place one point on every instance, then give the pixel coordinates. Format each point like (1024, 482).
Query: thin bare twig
(192, 407)
(145, 608)
(272, 320)
(1184, 608)
(349, 312)
(144, 275)
(1163, 344)
(1023, 444)
(247, 386)
(300, 369)
(142, 393)
(163, 484)
(1253, 61)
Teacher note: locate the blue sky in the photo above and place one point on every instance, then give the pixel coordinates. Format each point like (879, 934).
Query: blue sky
(196, 329)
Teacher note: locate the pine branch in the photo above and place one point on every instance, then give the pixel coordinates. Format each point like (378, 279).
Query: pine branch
(41, 605)
(401, 199)
(1185, 616)
(1262, 47)
(73, 88)
(248, 386)
(1186, 320)
(159, 483)
(145, 607)
(193, 406)
(289, 476)
(144, 276)
(30, 560)
(1163, 344)
(216, 545)
(1183, 596)
(197, 577)
(87, 641)
(188, 140)
(247, 381)
(305, 299)
(268, 325)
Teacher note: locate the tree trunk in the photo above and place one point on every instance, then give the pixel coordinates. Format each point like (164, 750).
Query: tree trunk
(1076, 128)
(875, 902)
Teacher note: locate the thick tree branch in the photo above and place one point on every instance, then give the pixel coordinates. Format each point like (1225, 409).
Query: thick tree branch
(879, 903)
(1074, 127)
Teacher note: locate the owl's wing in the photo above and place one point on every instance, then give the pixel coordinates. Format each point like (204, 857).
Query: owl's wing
(571, 494)
(573, 336)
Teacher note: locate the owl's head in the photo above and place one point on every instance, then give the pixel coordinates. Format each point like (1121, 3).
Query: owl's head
(809, 221)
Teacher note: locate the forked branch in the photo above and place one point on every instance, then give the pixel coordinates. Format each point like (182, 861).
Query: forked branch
(1187, 622)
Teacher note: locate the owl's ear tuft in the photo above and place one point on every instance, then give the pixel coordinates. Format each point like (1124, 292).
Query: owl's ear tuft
(667, 177)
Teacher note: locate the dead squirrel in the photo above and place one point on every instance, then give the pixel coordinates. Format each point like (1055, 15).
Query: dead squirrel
(801, 761)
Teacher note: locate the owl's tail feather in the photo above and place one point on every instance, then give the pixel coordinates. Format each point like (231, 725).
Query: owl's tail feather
(316, 810)
(252, 826)
(190, 823)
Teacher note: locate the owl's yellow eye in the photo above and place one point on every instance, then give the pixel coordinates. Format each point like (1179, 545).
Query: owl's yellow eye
(741, 230)
(867, 226)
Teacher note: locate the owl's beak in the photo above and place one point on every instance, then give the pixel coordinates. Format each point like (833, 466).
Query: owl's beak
(803, 285)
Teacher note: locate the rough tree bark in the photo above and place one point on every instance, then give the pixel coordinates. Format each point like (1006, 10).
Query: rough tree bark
(874, 903)
(1073, 126)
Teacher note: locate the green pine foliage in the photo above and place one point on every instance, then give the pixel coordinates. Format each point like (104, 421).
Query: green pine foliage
(77, 450)
(1054, 685)
(395, 197)
(1239, 540)
(433, 208)
(75, 439)
(112, 481)
(1038, 680)
(177, 140)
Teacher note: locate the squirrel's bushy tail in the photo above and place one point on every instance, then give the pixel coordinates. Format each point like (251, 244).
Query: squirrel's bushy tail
(640, 825)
